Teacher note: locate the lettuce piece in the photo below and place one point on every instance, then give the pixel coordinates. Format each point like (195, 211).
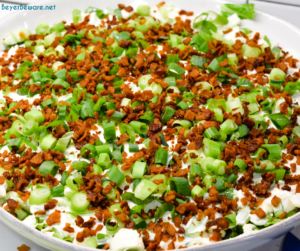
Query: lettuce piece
(194, 227)
(244, 11)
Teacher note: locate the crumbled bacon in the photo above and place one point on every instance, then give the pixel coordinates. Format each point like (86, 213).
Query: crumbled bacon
(23, 247)
(54, 218)
(103, 66)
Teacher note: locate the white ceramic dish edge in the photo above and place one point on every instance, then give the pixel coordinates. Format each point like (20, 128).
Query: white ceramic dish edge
(243, 242)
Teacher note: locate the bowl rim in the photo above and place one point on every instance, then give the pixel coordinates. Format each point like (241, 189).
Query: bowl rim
(70, 246)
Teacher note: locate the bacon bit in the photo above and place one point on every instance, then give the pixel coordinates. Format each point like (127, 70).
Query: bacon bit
(187, 13)
(22, 35)
(187, 207)
(212, 191)
(157, 182)
(161, 4)
(171, 246)
(123, 138)
(2, 180)
(177, 221)
(50, 204)
(90, 223)
(282, 215)
(23, 247)
(109, 113)
(41, 212)
(107, 189)
(53, 218)
(190, 115)
(260, 213)
(275, 201)
(37, 159)
(68, 228)
(109, 41)
(86, 232)
(298, 188)
(170, 196)
(216, 236)
(263, 166)
(284, 108)
(122, 72)
(125, 43)
(13, 205)
(128, 9)
(223, 63)
(102, 215)
(106, 246)
(227, 31)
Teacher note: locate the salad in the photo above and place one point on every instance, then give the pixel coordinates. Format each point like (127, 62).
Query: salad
(149, 128)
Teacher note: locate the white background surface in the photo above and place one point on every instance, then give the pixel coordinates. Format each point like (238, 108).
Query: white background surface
(10, 240)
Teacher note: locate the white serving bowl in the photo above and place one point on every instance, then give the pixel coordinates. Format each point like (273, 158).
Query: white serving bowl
(279, 32)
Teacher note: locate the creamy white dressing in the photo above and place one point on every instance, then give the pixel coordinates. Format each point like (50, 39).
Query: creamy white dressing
(3, 188)
(126, 239)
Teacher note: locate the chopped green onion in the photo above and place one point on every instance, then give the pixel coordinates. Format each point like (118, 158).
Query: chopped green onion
(243, 130)
(280, 120)
(79, 202)
(34, 114)
(48, 167)
(80, 166)
(277, 74)
(160, 212)
(196, 169)
(144, 189)
(276, 51)
(243, 82)
(109, 131)
(63, 142)
(115, 175)
(232, 178)
(241, 164)
(296, 131)
(231, 218)
(181, 185)
(161, 156)
(30, 127)
(117, 155)
(48, 142)
(274, 151)
(103, 160)
(172, 59)
(76, 16)
(112, 194)
(133, 148)
(104, 149)
(280, 173)
(57, 191)
(228, 126)
(163, 141)
(184, 123)
(211, 148)
(39, 196)
(139, 127)
(220, 184)
(175, 70)
(197, 191)
(198, 61)
(212, 133)
(250, 52)
(183, 105)
(97, 169)
(138, 169)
